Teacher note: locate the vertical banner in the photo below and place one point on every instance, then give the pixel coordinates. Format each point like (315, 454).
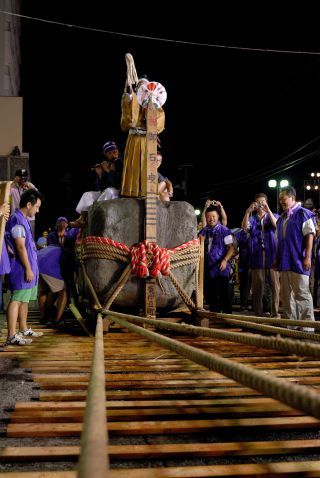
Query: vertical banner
(151, 202)
(151, 95)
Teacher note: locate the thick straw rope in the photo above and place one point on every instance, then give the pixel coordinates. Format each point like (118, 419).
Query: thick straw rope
(298, 334)
(189, 302)
(262, 320)
(296, 396)
(132, 77)
(146, 259)
(288, 346)
(255, 324)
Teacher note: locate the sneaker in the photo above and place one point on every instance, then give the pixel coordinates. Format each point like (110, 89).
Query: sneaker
(30, 333)
(18, 340)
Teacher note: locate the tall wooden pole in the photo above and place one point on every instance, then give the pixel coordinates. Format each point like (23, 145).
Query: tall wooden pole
(4, 197)
(151, 202)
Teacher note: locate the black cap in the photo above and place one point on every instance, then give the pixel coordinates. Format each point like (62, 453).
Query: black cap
(22, 173)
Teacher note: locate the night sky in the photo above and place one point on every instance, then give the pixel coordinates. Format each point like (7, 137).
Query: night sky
(224, 106)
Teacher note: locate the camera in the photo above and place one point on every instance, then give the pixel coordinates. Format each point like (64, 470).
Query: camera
(214, 203)
(259, 206)
(23, 179)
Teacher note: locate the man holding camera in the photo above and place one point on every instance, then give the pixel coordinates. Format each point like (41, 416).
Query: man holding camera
(260, 222)
(220, 209)
(18, 186)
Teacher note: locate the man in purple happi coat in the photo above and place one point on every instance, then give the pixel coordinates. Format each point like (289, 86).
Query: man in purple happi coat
(219, 250)
(24, 274)
(295, 230)
(260, 222)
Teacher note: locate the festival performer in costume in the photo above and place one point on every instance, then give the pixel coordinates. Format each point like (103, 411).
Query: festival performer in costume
(133, 120)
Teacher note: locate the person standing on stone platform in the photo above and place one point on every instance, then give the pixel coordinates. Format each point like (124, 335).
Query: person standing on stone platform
(133, 120)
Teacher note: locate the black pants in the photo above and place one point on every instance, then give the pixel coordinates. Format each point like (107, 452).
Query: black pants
(244, 287)
(218, 296)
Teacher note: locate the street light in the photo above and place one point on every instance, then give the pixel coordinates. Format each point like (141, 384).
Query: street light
(272, 183)
(276, 184)
(284, 183)
(312, 185)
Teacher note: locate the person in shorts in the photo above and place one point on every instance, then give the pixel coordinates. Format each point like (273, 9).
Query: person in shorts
(23, 278)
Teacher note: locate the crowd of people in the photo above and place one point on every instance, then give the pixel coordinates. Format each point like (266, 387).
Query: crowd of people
(275, 256)
(273, 252)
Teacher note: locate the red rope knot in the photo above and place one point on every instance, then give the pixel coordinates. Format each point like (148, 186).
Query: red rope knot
(147, 258)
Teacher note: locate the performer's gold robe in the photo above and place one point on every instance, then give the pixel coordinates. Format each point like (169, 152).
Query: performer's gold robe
(134, 179)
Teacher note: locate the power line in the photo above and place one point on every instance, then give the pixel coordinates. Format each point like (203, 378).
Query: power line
(167, 40)
(268, 169)
(260, 175)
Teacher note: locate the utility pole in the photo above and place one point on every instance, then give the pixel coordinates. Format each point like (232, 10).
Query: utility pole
(184, 182)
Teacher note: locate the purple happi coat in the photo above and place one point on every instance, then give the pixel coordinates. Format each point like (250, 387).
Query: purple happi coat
(49, 261)
(262, 242)
(291, 245)
(218, 249)
(17, 275)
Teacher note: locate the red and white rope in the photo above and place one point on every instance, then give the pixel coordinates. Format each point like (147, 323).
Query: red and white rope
(146, 258)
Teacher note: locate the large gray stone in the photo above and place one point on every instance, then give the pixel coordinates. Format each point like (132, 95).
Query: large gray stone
(123, 220)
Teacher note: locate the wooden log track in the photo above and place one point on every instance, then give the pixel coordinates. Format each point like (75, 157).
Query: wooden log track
(167, 416)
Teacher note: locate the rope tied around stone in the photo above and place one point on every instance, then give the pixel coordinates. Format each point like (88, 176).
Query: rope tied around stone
(146, 258)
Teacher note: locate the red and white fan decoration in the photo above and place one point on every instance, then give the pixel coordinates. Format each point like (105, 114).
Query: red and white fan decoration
(151, 91)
